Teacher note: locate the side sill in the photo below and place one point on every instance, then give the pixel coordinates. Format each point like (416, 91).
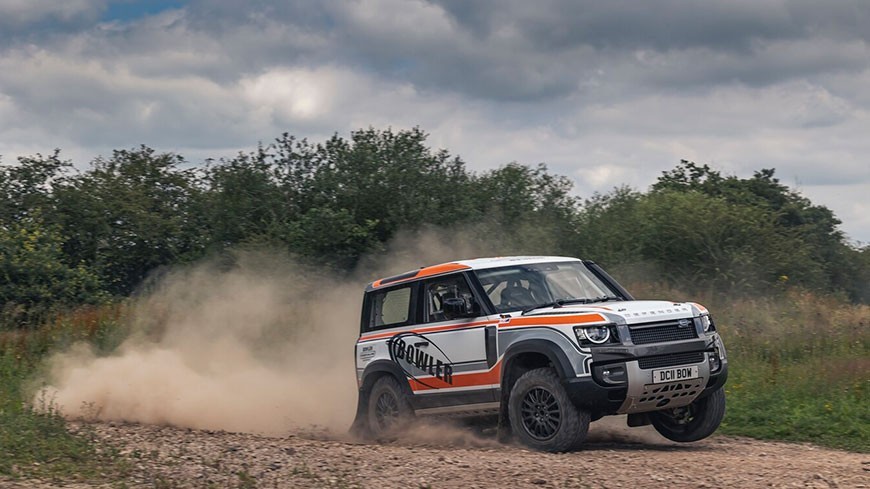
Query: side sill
(483, 406)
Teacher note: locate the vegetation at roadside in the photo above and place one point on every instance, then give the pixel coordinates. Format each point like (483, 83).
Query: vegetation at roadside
(804, 371)
(789, 292)
(34, 438)
(70, 237)
(799, 366)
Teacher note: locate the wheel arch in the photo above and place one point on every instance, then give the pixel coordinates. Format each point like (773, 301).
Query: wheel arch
(371, 374)
(524, 356)
(528, 354)
(378, 369)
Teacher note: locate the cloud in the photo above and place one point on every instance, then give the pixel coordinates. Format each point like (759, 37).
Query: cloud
(662, 25)
(27, 18)
(28, 11)
(96, 102)
(68, 95)
(609, 93)
(285, 96)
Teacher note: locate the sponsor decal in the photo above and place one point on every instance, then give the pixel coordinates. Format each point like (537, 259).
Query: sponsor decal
(367, 353)
(415, 352)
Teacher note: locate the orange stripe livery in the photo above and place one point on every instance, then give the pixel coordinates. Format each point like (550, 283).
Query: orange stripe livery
(490, 377)
(425, 272)
(544, 320)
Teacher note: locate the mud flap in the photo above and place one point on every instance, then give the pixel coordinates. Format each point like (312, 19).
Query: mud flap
(504, 432)
(638, 419)
(360, 426)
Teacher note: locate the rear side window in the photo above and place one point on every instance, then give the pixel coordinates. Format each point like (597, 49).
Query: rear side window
(390, 308)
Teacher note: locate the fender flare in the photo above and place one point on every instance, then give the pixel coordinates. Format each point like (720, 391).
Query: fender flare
(541, 346)
(390, 367)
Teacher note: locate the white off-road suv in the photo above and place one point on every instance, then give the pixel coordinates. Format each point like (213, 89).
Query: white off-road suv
(546, 343)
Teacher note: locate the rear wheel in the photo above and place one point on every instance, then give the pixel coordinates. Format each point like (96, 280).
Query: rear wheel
(388, 408)
(541, 414)
(693, 422)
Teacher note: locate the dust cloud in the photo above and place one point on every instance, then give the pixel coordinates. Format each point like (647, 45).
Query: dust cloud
(254, 343)
(258, 345)
(447, 433)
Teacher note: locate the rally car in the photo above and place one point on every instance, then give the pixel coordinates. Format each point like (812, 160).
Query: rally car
(545, 344)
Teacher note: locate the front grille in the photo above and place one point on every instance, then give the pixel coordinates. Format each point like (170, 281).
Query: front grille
(643, 334)
(671, 360)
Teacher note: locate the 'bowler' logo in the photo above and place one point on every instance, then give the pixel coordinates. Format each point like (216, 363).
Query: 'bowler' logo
(416, 353)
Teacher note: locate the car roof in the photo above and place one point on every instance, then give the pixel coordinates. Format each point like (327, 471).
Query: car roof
(470, 264)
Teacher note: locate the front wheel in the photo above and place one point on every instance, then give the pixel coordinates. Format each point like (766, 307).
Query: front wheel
(388, 408)
(693, 422)
(541, 414)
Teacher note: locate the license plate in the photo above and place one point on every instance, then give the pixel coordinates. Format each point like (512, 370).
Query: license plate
(674, 374)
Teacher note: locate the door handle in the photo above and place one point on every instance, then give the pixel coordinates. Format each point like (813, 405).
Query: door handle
(421, 344)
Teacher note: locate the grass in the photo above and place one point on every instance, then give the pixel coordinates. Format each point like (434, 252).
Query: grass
(820, 401)
(800, 370)
(246, 481)
(34, 440)
(799, 367)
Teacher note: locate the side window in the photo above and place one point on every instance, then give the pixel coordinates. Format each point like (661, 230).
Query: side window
(437, 290)
(390, 308)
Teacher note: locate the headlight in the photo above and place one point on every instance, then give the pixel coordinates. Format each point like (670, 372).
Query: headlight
(706, 322)
(595, 334)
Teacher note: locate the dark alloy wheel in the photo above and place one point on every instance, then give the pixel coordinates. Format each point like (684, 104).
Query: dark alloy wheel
(388, 409)
(693, 422)
(541, 414)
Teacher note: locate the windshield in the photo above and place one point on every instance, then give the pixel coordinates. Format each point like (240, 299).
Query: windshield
(521, 287)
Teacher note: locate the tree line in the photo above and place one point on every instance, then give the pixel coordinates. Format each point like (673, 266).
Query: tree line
(70, 237)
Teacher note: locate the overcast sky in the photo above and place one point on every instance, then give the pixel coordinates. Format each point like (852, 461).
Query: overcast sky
(609, 93)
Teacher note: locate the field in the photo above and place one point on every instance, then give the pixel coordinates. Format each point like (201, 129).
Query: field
(799, 367)
(799, 371)
(34, 440)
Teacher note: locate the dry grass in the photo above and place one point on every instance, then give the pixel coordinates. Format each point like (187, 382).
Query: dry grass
(34, 441)
(799, 365)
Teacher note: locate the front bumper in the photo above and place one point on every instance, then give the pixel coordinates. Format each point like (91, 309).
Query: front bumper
(633, 390)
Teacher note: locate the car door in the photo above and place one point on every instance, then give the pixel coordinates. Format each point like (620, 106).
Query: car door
(451, 359)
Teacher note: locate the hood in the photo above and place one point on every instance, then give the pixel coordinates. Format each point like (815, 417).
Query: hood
(632, 311)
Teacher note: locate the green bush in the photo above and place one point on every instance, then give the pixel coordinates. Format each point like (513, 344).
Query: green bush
(35, 278)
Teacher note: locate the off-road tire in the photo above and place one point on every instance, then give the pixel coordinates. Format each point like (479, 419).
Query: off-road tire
(388, 408)
(541, 414)
(699, 422)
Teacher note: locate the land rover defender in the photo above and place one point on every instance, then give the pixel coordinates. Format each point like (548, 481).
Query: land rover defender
(546, 344)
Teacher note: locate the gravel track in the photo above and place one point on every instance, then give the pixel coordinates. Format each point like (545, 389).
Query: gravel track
(441, 456)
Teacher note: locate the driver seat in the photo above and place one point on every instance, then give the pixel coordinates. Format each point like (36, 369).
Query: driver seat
(515, 295)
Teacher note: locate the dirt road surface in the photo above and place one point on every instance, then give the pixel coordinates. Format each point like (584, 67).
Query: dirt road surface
(442, 456)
